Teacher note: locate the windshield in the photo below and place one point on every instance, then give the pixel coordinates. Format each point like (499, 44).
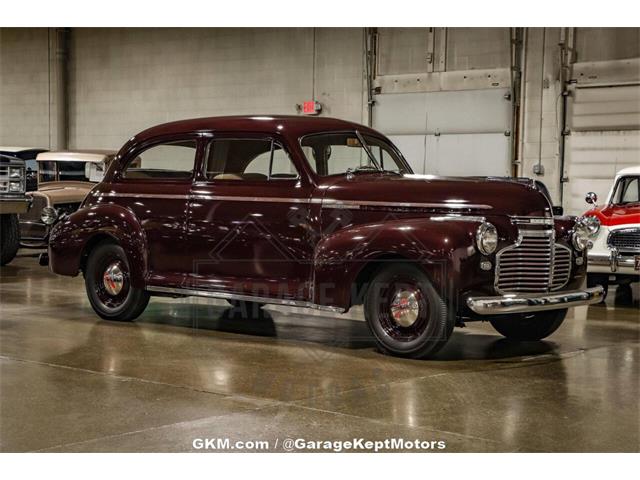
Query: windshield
(339, 153)
(627, 191)
(51, 171)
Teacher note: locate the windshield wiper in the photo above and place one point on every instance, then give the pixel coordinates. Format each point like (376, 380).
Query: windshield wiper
(366, 149)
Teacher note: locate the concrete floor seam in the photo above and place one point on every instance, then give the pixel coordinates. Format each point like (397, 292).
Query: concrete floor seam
(143, 380)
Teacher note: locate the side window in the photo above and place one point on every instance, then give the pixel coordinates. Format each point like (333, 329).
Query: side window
(173, 160)
(630, 191)
(248, 160)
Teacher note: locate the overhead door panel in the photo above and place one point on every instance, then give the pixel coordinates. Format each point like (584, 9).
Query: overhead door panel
(604, 125)
(413, 149)
(468, 154)
(449, 133)
(592, 160)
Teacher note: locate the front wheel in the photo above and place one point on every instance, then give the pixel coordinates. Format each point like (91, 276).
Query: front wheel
(529, 326)
(108, 283)
(9, 237)
(405, 314)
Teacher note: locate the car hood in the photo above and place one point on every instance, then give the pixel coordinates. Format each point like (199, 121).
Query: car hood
(481, 195)
(64, 192)
(613, 215)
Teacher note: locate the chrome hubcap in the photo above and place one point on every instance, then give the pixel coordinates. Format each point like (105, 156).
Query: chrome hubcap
(405, 307)
(113, 279)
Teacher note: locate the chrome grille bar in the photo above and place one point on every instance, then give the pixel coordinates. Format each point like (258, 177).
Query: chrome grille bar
(535, 263)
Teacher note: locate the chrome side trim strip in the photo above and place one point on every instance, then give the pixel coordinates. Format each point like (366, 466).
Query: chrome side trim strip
(521, 303)
(140, 195)
(458, 218)
(374, 203)
(252, 199)
(243, 298)
(329, 202)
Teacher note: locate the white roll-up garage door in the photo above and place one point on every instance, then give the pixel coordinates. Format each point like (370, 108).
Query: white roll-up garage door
(604, 124)
(449, 133)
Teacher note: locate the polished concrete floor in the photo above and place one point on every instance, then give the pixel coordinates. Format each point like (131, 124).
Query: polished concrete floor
(70, 382)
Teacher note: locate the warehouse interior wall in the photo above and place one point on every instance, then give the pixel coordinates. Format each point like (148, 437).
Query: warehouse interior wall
(24, 87)
(121, 81)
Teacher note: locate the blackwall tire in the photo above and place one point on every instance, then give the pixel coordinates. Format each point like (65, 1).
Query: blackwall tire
(529, 326)
(9, 237)
(106, 264)
(405, 314)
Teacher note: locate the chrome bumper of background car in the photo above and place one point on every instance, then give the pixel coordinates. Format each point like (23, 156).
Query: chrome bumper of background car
(521, 303)
(614, 260)
(14, 205)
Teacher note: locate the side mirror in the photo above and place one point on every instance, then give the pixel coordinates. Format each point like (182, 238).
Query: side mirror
(591, 198)
(558, 211)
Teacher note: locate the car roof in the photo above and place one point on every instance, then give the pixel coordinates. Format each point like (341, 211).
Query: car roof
(629, 171)
(11, 159)
(270, 124)
(25, 153)
(94, 156)
(14, 149)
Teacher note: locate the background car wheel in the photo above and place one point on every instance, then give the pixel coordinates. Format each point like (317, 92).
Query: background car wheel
(595, 279)
(250, 309)
(405, 314)
(108, 284)
(529, 326)
(9, 237)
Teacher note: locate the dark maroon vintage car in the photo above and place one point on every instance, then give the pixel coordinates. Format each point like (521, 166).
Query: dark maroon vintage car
(321, 213)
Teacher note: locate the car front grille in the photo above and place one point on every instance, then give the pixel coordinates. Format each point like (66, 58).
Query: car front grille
(535, 264)
(36, 209)
(625, 240)
(4, 178)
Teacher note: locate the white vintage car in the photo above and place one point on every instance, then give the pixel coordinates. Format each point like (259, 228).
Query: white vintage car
(614, 254)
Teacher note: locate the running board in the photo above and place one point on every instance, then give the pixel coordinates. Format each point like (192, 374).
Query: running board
(244, 298)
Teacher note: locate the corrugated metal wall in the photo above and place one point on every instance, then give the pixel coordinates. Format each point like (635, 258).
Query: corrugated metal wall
(603, 116)
(443, 96)
(440, 90)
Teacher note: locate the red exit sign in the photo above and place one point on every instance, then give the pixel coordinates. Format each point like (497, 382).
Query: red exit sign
(311, 107)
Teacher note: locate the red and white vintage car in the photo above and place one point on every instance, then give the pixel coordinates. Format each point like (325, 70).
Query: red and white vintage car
(614, 255)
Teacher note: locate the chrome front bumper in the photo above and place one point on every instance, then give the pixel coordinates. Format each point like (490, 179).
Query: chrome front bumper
(522, 303)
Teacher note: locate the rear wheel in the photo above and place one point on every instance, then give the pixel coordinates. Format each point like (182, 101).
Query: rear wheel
(108, 284)
(405, 313)
(9, 237)
(529, 326)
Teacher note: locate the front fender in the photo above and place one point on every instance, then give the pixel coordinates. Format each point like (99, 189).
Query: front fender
(72, 237)
(440, 247)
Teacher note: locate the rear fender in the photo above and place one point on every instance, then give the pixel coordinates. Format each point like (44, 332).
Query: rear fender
(72, 238)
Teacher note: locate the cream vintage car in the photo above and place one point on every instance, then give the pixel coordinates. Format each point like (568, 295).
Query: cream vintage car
(64, 180)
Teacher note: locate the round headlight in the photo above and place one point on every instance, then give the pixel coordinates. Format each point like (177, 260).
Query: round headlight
(49, 215)
(487, 238)
(592, 224)
(580, 238)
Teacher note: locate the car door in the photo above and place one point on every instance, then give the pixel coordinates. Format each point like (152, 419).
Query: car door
(248, 229)
(155, 186)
